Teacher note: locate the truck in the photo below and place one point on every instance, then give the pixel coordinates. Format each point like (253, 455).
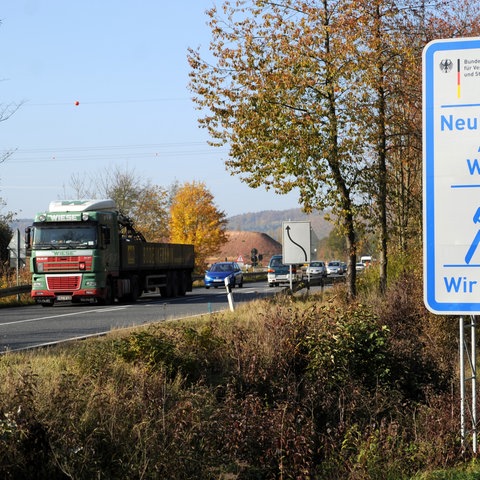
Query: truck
(87, 251)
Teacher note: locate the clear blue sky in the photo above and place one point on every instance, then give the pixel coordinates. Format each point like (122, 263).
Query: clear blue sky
(125, 63)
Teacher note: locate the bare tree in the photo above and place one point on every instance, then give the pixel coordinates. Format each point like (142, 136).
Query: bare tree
(145, 203)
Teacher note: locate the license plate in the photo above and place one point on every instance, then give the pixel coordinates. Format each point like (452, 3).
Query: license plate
(64, 298)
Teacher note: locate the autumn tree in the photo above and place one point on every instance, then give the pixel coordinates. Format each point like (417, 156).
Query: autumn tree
(395, 33)
(277, 93)
(379, 63)
(194, 219)
(390, 115)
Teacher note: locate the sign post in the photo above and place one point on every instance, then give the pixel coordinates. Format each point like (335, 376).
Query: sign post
(451, 187)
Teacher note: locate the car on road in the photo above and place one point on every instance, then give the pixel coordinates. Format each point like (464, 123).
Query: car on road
(216, 274)
(359, 267)
(278, 272)
(335, 268)
(316, 269)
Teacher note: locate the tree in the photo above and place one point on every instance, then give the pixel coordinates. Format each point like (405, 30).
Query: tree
(6, 234)
(278, 95)
(150, 213)
(194, 219)
(146, 204)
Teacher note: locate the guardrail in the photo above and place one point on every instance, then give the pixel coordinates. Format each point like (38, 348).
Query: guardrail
(8, 292)
(252, 276)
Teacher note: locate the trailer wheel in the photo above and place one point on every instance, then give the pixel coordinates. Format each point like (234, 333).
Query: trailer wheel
(135, 289)
(167, 291)
(182, 285)
(175, 284)
(134, 293)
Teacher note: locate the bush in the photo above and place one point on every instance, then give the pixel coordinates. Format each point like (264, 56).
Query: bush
(287, 388)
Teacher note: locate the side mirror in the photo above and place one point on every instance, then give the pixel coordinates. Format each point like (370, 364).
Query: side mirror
(28, 238)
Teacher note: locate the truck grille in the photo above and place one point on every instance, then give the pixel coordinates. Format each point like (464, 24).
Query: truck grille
(65, 283)
(65, 264)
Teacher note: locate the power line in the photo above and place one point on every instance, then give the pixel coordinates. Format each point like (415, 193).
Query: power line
(111, 152)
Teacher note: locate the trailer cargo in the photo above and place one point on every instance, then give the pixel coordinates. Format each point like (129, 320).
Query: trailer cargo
(86, 251)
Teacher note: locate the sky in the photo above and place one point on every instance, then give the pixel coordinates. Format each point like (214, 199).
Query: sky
(102, 84)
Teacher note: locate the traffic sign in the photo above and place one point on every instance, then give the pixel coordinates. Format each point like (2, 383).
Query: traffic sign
(451, 176)
(296, 242)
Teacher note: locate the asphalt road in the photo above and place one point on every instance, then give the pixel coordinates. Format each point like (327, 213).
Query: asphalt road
(34, 325)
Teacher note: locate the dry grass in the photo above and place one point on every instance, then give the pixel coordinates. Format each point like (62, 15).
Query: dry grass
(294, 387)
(8, 278)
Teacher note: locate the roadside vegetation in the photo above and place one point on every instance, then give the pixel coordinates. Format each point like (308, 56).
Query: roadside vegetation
(359, 383)
(295, 387)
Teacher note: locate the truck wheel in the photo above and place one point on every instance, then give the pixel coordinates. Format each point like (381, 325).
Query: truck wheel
(134, 290)
(109, 294)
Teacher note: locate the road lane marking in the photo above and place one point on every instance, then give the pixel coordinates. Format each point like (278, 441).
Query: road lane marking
(27, 320)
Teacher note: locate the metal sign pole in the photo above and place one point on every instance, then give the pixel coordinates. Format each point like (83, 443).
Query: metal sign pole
(471, 354)
(462, 381)
(473, 366)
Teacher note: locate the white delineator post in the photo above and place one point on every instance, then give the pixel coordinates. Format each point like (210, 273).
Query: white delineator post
(228, 286)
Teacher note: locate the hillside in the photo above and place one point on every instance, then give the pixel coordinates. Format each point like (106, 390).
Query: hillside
(241, 243)
(270, 222)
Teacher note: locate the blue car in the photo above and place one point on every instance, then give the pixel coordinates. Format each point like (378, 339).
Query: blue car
(216, 274)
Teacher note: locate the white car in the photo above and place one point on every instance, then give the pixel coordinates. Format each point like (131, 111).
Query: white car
(359, 267)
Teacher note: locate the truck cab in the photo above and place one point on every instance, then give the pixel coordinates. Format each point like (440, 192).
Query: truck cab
(74, 247)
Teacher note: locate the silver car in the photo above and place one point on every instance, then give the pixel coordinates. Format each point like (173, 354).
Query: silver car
(317, 269)
(334, 268)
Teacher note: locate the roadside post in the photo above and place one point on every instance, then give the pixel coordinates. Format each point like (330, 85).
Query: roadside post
(17, 255)
(451, 197)
(228, 286)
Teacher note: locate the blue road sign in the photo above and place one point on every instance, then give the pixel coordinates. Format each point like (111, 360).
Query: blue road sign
(451, 181)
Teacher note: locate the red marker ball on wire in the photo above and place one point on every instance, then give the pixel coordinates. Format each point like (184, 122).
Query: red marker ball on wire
(77, 103)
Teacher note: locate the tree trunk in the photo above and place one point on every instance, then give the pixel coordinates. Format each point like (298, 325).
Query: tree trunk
(352, 257)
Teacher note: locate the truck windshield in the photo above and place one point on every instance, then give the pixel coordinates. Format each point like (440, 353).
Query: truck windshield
(49, 236)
